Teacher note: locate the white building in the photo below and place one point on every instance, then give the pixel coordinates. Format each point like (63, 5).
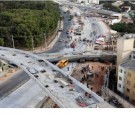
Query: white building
(89, 1)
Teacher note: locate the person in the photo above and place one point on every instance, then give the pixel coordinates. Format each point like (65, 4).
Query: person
(92, 67)
(68, 68)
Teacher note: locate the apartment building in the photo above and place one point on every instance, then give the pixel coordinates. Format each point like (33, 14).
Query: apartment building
(130, 81)
(121, 78)
(126, 80)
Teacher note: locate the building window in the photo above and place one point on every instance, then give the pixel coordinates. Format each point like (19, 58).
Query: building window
(127, 97)
(128, 90)
(120, 85)
(120, 78)
(134, 85)
(129, 74)
(128, 82)
(120, 70)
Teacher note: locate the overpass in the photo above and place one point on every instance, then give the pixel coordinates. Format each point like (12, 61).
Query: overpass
(101, 11)
(64, 90)
(80, 56)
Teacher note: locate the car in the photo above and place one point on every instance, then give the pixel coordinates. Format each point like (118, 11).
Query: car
(43, 71)
(36, 76)
(40, 60)
(13, 65)
(26, 55)
(81, 102)
(40, 69)
(32, 70)
(29, 62)
(69, 19)
(14, 54)
(53, 70)
(60, 40)
(21, 64)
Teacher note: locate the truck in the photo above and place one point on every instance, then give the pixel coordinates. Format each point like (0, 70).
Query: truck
(62, 63)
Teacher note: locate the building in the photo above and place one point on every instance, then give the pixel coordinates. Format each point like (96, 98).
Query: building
(89, 1)
(117, 3)
(130, 81)
(124, 48)
(126, 80)
(121, 78)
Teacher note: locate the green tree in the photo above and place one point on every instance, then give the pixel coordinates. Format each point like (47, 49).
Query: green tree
(1, 41)
(109, 6)
(24, 19)
(123, 27)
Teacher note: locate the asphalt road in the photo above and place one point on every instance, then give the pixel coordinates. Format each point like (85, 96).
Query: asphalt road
(12, 83)
(60, 45)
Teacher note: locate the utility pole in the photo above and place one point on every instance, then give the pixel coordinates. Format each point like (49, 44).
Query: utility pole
(45, 40)
(32, 43)
(13, 43)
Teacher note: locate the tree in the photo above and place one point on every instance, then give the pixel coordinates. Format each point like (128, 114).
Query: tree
(109, 6)
(24, 19)
(123, 27)
(1, 41)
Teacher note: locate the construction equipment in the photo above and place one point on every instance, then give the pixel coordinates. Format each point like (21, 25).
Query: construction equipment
(62, 63)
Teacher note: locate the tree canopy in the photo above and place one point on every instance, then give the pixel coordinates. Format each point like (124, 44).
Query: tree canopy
(109, 6)
(27, 19)
(123, 27)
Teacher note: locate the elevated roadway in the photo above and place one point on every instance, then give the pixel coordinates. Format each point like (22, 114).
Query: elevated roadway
(78, 56)
(102, 11)
(61, 87)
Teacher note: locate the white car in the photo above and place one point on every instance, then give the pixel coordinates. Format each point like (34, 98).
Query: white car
(32, 70)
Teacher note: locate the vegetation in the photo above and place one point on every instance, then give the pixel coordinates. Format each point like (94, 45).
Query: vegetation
(27, 19)
(109, 6)
(104, 1)
(127, 3)
(124, 28)
(1, 41)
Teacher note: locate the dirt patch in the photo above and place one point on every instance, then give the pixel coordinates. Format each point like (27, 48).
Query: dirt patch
(97, 69)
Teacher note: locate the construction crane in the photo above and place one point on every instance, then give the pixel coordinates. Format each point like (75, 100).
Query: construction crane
(62, 63)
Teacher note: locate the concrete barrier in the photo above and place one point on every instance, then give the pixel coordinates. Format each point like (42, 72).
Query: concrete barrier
(121, 100)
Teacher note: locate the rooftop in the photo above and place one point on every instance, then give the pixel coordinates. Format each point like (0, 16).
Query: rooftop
(129, 36)
(130, 64)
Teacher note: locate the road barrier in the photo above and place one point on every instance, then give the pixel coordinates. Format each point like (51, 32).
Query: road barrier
(121, 100)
